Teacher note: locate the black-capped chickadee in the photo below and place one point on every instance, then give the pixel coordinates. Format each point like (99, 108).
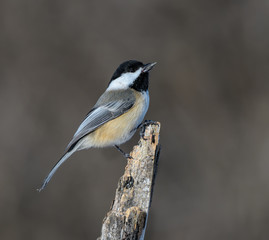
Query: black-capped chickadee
(117, 114)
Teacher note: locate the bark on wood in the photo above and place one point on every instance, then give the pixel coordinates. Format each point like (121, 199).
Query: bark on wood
(127, 218)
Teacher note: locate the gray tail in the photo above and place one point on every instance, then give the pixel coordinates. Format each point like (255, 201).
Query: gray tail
(56, 166)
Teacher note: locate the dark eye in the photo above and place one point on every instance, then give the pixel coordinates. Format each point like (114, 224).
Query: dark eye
(132, 69)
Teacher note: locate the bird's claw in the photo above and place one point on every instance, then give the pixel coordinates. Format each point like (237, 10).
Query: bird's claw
(128, 156)
(142, 127)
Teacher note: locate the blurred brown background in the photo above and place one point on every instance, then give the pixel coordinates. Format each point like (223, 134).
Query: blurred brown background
(209, 90)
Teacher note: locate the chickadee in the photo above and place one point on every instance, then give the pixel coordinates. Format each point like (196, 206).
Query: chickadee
(117, 114)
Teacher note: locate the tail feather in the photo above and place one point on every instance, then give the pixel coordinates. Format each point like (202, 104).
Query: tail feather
(56, 166)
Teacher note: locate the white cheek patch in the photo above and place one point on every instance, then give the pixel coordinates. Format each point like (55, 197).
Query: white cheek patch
(124, 81)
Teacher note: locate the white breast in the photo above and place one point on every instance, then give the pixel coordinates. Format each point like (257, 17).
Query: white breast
(145, 104)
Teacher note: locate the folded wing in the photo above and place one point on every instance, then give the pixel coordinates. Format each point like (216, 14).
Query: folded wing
(99, 116)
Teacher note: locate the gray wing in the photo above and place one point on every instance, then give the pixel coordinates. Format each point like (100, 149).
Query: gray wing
(100, 115)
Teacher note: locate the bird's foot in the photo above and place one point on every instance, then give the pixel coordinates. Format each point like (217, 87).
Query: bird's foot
(142, 127)
(126, 155)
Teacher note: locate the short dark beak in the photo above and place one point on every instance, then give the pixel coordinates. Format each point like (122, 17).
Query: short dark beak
(148, 67)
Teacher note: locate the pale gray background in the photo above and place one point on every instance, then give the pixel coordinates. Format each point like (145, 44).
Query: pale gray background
(209, 91)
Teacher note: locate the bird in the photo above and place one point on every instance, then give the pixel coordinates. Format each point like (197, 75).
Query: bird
(117, 114)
